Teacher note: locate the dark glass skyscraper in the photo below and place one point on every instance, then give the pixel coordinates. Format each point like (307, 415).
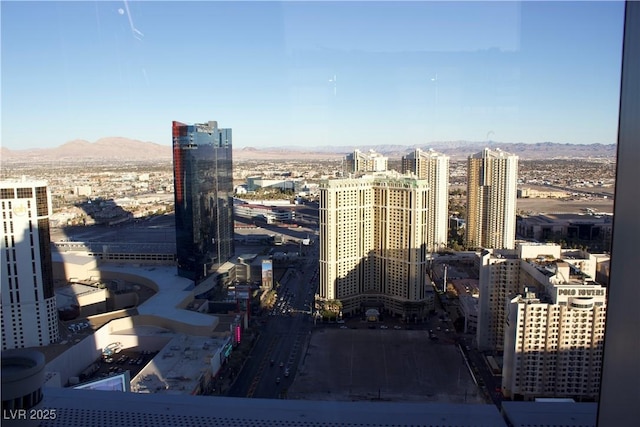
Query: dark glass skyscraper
(202, 173)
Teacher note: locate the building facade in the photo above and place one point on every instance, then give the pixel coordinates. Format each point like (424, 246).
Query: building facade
(592, 230)
(270, 214)
(203, 193)
(554, 334)
(364, 162)
(291, 184)
(540, 308)
(491, 200)
(373, 249)
(434, 168)
(499, 279)
(29, 313)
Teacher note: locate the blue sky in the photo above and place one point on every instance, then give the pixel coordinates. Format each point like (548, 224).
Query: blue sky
(405, 73)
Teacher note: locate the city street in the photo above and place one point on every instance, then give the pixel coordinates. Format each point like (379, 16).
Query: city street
(282, 338)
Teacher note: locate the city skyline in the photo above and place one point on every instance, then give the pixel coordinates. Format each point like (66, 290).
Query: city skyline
(619, 371)
(325, 72)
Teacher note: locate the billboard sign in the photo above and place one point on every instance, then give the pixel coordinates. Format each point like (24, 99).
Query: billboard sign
(267, 274)
(242, 291)
(120, 382)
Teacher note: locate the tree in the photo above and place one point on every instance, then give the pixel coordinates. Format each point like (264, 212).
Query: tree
(331, 309)
(268, 301)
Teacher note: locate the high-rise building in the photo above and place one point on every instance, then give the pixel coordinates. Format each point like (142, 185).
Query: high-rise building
(554, 334)
(434, 168)
(29, 313)
(491, 200)
(499, 279)
(540, 306)
(364, 162)
(203, 190)
(373, 248)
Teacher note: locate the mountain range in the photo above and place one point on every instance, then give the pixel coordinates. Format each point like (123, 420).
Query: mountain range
(125, 149)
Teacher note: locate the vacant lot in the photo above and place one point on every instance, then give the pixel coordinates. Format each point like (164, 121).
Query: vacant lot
(395, 365)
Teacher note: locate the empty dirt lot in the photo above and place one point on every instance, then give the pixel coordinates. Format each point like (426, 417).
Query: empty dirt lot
(382, 364)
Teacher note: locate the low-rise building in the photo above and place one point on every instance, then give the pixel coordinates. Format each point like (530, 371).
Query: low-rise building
(580, 229)
(185, 365)
(270, 214)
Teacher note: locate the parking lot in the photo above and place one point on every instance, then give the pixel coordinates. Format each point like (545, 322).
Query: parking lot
(382, 364)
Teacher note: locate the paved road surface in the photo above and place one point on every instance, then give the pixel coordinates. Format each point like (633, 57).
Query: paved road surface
(282, 339)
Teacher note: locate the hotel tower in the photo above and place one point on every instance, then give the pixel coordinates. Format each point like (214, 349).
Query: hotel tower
(434, 168)
(203, 193)
(373, 247)
(491, 200)
(29, 314)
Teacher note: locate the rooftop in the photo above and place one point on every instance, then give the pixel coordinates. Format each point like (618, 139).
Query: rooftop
(544, 414)
(173, 292)
(178, 366)
(79, 408)
(550, 218)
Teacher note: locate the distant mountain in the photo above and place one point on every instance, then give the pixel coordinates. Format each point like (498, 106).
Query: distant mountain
(124, 149)
(110, 148)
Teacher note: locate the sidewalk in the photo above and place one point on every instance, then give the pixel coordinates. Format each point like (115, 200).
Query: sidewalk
(229, 372)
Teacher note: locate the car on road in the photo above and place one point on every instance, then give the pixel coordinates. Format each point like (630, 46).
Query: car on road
(286, 373)
(278, 380)
(344, 327)
(282, 364)
(384, 327)
(271, 362)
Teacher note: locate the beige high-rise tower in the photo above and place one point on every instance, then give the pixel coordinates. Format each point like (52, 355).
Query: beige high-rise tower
(434, 168)
(29, 312)
(373, 249)
(369, 161)
(491, 200)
